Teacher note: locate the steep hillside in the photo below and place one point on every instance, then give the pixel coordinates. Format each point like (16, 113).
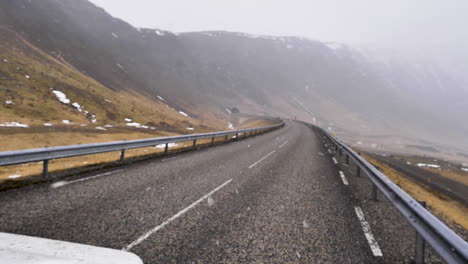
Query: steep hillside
(361, 95)
(40, 92)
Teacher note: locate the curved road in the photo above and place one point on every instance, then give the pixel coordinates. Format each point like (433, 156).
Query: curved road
(274, 198)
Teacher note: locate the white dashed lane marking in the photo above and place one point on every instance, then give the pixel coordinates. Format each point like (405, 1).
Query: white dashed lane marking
(254, 164)
(368, 233)
(345, 181)
(174, 217)
(282, 145)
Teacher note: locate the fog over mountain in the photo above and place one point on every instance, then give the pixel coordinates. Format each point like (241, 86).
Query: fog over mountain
(359, 91)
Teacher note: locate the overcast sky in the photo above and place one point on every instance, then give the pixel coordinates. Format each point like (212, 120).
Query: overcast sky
(435, 25)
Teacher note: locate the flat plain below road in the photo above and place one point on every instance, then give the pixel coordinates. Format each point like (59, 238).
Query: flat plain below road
(207, 206)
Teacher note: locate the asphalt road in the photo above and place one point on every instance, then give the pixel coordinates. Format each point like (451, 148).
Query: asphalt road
(274, 198)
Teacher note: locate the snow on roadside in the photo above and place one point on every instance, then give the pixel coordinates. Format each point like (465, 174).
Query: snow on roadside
(9, 102)
(228, 111)
(428, 165)
(160, 98)
(464, 169)
(164, 145)
(14, 124)
(128, 119)
(190, 128)
(66, 122)
(14, 176)
(100, 128)
(48, 124)
(183, 113)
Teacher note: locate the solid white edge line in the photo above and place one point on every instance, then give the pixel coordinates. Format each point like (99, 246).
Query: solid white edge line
(172, 218)
(368, 233)
(345, 181)
(282, 145)
(253, 165)
(63, 183)
(334, 160)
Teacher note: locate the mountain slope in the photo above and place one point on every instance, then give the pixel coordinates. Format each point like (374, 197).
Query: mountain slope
(354, 92)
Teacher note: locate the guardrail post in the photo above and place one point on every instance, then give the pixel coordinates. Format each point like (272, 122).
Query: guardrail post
(122, 154)
(166, 148)
(420, 244)
(374, 192)
(212, 140)
(45, 168)
(226, 138)
(340, 152)
(347, 159)
(194, 143)
(237, 136)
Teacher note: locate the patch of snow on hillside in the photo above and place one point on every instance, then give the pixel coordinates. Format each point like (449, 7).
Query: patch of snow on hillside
(100, 128)
(27, 76)
(14, 176)
(108, 126)
(159, 33)
(164, 145)
(5, 60)
(231, 126)
(77, 106)
(190, 128)
(120, 66)
(160, 98)
(61, 97)
(134, 124)
(8, 102)
(229, 111)
(13, 124)
(48, 124)
(183, 113)
(138, 29)
(93, 118)
(409, 163)
(107, 100)
(428, 165)
(66, 121)
(115, 35)
(464, 169)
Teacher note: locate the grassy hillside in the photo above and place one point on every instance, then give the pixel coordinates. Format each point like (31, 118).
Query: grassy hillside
(31, 85)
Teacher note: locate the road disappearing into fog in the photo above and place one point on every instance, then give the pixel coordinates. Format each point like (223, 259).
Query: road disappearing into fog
(275, 198)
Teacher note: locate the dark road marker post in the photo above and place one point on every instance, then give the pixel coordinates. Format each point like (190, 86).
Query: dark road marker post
(122, 154)
(420, 244)
(45, 168)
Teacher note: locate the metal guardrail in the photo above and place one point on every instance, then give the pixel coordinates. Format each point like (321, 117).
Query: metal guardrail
(450, 247)
(46, 154)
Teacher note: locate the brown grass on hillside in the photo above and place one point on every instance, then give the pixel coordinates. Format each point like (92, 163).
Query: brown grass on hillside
(452, 212)
(461, 177)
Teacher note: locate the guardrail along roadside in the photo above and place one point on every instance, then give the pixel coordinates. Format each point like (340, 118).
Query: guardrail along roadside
(445, 242)
(47, 154)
